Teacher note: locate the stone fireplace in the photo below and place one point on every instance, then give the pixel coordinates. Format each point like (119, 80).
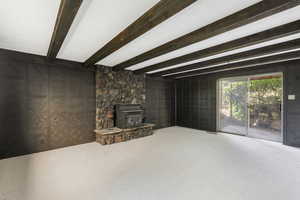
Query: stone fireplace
(129, 116)
(120, 99)
(129, 124)
(113, 88)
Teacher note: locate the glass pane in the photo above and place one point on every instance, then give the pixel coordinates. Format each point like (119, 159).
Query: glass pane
(265, 94)
(233, 117)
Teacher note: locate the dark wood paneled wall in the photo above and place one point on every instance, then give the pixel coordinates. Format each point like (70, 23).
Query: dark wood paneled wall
(196, 103)
(197, 100)
(292, 108)
(160, 102)
(44, 105)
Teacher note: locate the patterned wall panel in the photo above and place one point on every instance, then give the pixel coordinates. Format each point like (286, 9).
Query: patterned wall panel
(13, 107)
(44, 105)
(293, 107)
(160, 102)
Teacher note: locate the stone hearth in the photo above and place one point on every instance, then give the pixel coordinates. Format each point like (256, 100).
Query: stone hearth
(116, 135)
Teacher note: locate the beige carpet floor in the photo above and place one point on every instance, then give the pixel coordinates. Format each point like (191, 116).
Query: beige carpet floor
(174, 164)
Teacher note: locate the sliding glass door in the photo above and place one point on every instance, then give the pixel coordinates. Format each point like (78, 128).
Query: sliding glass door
(265, 99)
(251, 106)
(233, 117)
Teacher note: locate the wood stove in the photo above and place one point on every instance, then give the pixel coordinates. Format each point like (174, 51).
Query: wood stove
(129, 115)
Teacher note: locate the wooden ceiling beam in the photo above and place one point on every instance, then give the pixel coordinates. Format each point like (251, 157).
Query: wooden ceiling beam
(65, 17)
(153, 17)
(271, 34)
(244, 64)
(263, 51)
(248, 15)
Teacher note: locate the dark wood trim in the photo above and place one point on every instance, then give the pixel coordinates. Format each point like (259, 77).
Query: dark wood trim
(241, 65)
(153, 17)
(65, 17)
(276, 48)
(271, 34)
(248, 15)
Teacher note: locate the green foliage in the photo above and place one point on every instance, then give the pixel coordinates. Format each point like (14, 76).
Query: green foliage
(266, 91)
(235, 94)
(261, 93)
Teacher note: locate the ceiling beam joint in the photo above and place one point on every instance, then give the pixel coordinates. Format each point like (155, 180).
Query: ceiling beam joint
(65, 17)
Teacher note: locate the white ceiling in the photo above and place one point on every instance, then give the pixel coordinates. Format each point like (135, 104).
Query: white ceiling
(230, 62)
(264, 44)
(98, 22)
(258, 26)
(27, 26)
(193, 17)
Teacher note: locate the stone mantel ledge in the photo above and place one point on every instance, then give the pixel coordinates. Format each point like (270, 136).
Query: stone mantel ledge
(116, 135)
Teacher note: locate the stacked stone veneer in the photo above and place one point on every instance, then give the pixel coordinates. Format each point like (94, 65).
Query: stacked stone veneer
(116, 135)
(116, 88)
